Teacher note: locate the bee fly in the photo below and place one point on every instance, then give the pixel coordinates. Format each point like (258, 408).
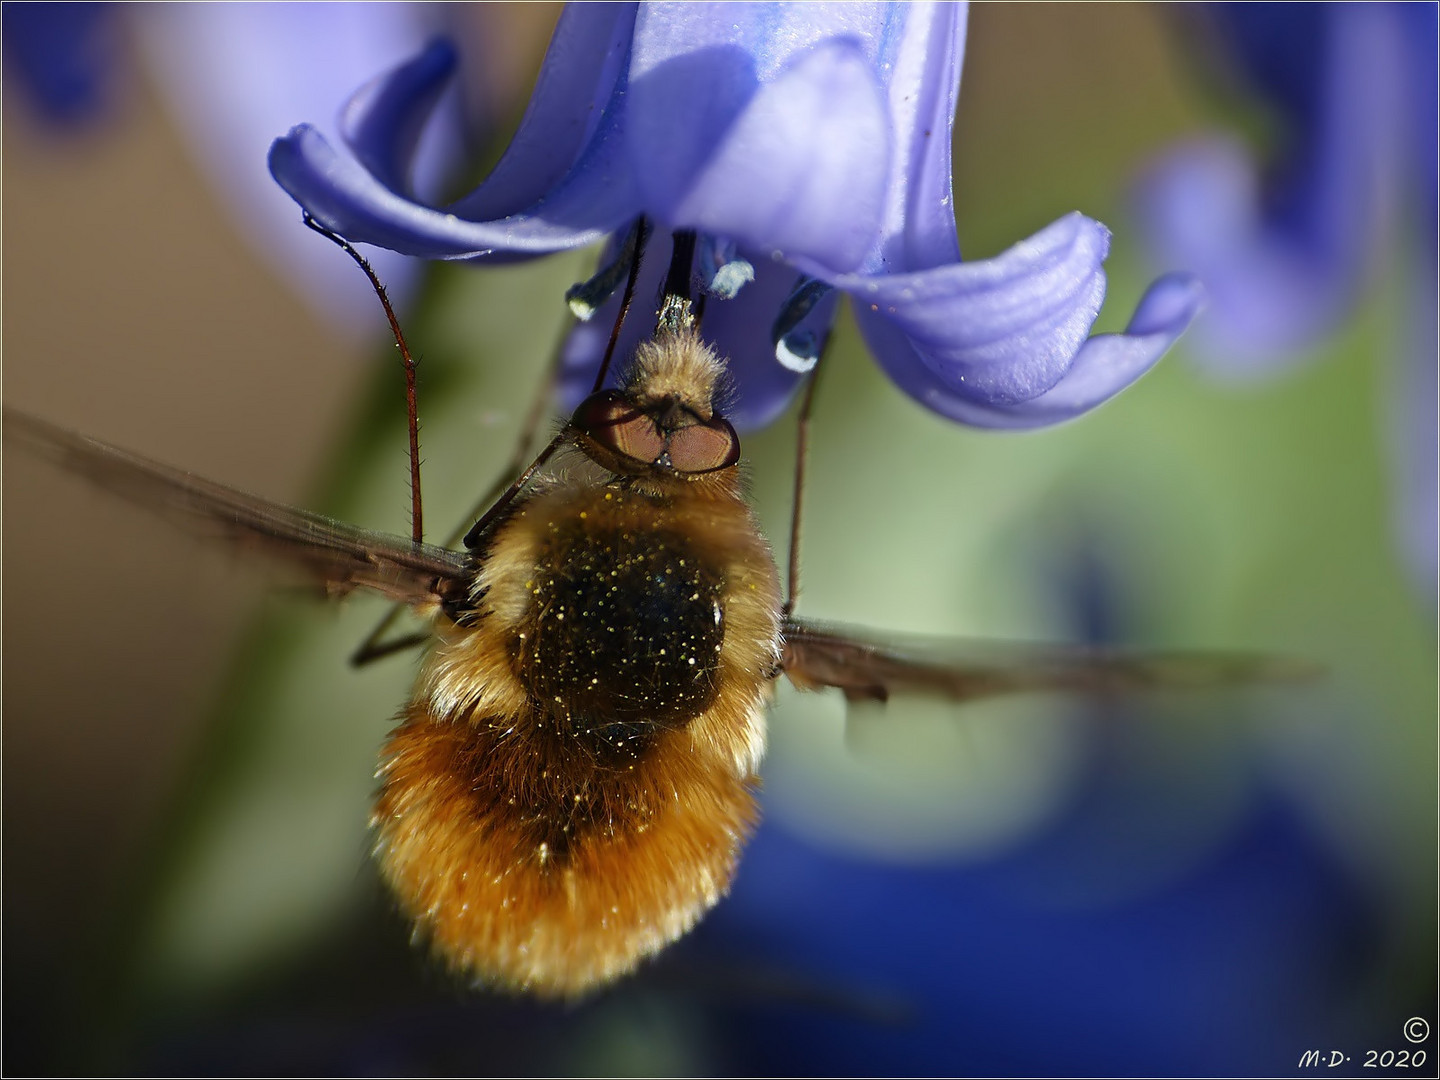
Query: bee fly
(573, 779)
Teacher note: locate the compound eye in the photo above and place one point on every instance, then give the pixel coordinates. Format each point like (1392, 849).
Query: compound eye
(703, 448)
(618, 426)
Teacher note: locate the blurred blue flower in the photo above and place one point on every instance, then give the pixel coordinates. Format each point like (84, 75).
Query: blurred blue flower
(998, 969)
(809, 145)
(1287, 250)
(230, 75)
(1284, 252)
(63, 58)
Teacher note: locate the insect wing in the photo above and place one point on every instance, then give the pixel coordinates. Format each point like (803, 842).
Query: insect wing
(339, 556)
(867, 667)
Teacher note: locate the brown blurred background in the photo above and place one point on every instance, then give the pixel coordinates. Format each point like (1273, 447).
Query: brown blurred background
(136, 311)
(132, 313)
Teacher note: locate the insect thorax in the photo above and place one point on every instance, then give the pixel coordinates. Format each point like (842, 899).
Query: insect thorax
(625, 626)
(606, 623)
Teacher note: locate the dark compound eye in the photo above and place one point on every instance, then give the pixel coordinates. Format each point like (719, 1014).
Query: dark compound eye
(617, 425)
(703, 448)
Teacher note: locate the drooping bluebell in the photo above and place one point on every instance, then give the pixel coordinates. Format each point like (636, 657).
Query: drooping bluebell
(809, 146)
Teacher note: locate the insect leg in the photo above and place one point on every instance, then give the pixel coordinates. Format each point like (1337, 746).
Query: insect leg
(372, 648)
(802, 445)
(472, 538)
(500, 494)
(417, 528)
(639, 234)
(634, 249)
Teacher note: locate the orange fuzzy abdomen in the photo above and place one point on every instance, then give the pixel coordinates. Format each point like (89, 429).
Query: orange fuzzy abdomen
(532, 894)
(572, 783)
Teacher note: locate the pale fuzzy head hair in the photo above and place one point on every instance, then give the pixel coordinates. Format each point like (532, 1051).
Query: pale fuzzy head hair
(676, 365)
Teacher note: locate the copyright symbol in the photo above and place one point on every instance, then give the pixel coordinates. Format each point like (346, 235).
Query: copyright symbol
(1417, 1029)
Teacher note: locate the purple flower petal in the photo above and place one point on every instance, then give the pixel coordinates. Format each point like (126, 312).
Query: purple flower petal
(1103, 365)
(740, 330)
(232, 75)
(63, 57)
(340, 193)
(918, 231)
(999, 330)
(695, 67)
(1270, 296)
(786, 178)
(696, 73)
(366, 200)
(383, 121)
(737, 329)
(813, 139)
(583, 66)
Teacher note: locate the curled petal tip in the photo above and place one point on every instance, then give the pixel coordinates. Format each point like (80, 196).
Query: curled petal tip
(285, 145)
(1169, 305)
(397, 90)
(1092, 369)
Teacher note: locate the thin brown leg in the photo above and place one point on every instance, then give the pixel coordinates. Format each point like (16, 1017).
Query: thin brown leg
(417, 526)
(499, 495)
(802, 447)
(472, 538)
(372, 648)
(641, 232)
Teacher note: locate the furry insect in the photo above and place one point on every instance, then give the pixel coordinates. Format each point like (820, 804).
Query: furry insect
(573, 779)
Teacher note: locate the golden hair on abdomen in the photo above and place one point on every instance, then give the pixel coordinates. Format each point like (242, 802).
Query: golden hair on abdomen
(553, 883)
(573, 780)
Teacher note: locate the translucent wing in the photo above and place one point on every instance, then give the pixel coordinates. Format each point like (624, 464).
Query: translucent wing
(867, 667)
(341, 557)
